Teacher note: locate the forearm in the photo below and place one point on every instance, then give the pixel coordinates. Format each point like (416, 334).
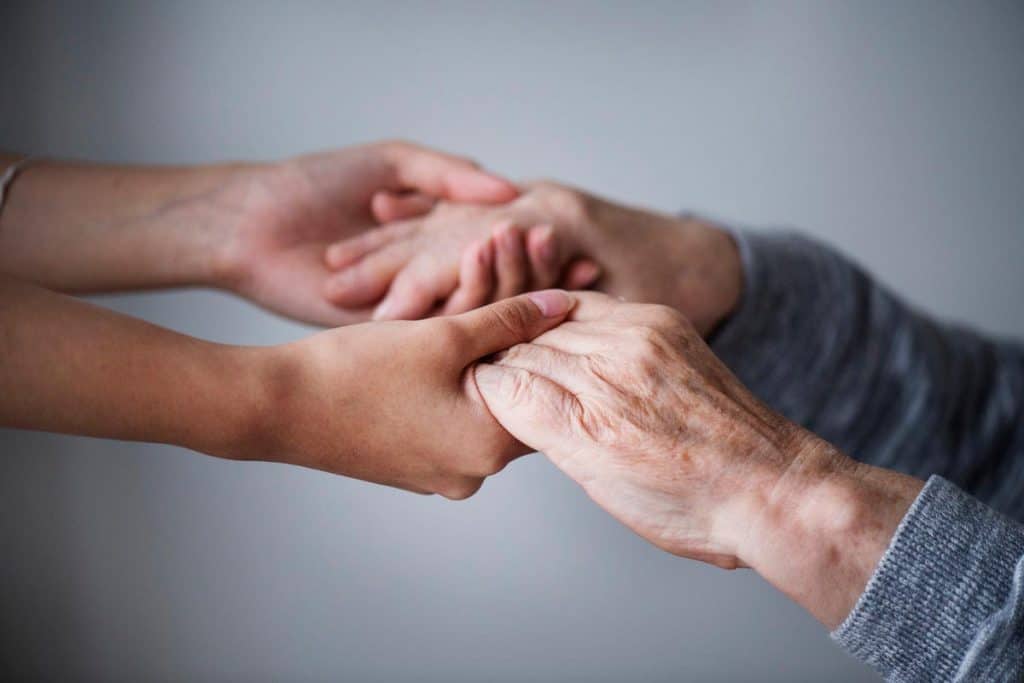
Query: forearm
(88, 228)
(68, 366)
(946, 601)
(822, 525)
(827, 346)
(918, 581)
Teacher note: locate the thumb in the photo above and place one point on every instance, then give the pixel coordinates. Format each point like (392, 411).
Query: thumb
(446, 176)
(530, 407)
(387, 206)
(513, 321)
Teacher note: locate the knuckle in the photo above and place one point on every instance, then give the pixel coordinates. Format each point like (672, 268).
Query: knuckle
(597, 427)
(451, 338)
(537, 186)
(396, 145)
(647, 354)
(567, 201)
(518, 387)
(665, 316)
(646, 340)
(513, 317)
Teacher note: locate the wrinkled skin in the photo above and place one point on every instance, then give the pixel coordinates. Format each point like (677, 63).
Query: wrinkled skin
(628, 400)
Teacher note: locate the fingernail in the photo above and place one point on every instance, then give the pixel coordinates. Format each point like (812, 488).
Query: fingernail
(384, 311)
(546, 245)
(551, 302)
(589, 272)
(331, 257)
(485, 254)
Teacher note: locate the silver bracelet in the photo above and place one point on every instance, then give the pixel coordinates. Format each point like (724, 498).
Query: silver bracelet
(8, 178)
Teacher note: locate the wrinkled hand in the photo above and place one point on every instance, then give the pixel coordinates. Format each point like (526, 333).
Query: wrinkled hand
(288, 213)
(572, 238)
(393, 403)
(629, 401)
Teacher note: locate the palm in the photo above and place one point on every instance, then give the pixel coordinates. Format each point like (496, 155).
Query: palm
(291, 211)
(292, 214)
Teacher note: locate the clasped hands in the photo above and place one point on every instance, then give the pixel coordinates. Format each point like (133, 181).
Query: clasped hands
(453, 356)
(455, 372)
(394, 231)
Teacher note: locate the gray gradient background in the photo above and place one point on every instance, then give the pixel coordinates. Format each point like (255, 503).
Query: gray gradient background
(893, 130)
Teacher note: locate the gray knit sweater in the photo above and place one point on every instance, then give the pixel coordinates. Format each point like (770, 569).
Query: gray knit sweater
(821, 342)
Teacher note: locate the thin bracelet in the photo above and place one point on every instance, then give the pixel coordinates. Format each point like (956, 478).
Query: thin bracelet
(8, 178)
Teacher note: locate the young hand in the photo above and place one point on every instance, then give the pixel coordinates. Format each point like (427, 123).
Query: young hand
(395, 402)
(287, 213)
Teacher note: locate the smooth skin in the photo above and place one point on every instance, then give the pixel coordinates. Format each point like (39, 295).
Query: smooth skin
(387, 402)
(257, 230)
(629, 401)
(363, 401)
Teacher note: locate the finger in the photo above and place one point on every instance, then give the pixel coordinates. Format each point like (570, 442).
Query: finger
(579, 338)
(416, 289)
(564, 368)
(346, 252)
(512, 321)
(594, 306)
(476, 278)
(533, 409)
(580, 274)
(365, 282)
(391, 206)
(509, 261)
(446, 176)
(543, 254)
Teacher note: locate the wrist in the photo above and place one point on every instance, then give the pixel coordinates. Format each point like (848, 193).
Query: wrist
(820, 528)
(231, 413)
(692, 265)
(223, 212)
(710, 270)
(283, 414)
(81, 227)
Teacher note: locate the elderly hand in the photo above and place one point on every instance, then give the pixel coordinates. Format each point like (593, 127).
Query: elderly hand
(287, 213)
(685, 263)
(392, 402)
(628, 401)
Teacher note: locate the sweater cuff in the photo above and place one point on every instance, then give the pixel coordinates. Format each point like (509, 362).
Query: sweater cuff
(751, 341)
(949, 567)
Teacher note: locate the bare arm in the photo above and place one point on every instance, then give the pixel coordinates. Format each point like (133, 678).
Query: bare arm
(88, 228)
(72, 367)
(259, 230)
(68, 366)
